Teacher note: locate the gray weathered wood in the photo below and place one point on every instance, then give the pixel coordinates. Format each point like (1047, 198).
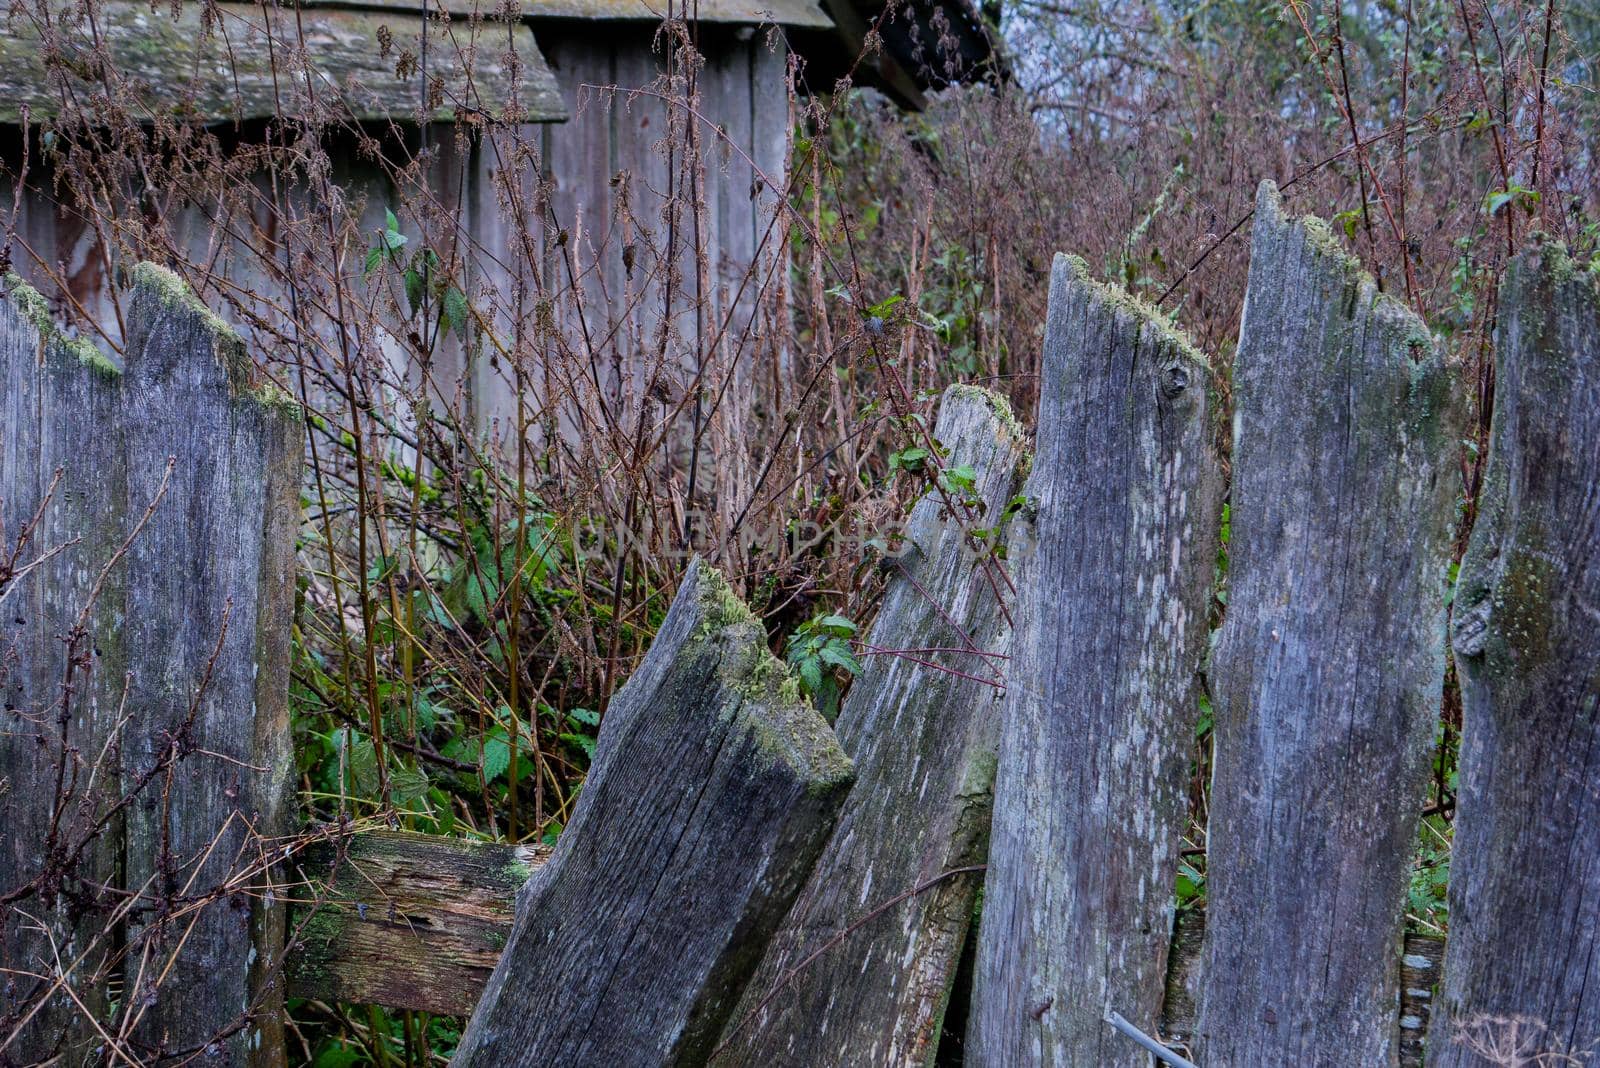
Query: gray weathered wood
(714, 788)
(175, 759)
(1525, 867)
(923, 742)
(411, 921)
(255, 61)
(1327, 673)
(1420, 959)
(209, 589)
(415, 921)
(59, 685)
(1114, 560)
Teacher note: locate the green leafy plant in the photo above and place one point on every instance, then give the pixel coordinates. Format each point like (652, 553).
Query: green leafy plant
(817, 652)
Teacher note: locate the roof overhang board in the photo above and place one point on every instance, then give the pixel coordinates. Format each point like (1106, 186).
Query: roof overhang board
(807, 14)
(254, 61)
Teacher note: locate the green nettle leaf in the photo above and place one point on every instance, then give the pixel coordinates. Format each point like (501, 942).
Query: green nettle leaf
(580, 741)
(908, 459)
(338, 1055)
(811, 674)
(408, 784)
(837, 654)
(496, 758)
(837, 623)
(883, 307)
(482, 591)
(457, 312)
(413, 281)
(584, 716)
(363, 765)
(959, 479)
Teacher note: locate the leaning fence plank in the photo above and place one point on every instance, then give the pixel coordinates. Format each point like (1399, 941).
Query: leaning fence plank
(920, 725)
(713, 789)
(59, 531)
(209, 596)
(1114, 577)
(1327, 673)
(1525, 867)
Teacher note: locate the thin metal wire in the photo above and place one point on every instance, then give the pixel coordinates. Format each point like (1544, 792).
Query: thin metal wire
(1161, 1052)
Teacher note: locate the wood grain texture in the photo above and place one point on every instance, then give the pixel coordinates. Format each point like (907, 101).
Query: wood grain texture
(416, 921)
(210, 599)
(923, 742)
(1327, 672)
(252, 61)
(713, 790)
(1525, 867)
(410, 921)
(1114, 560)
(57, 400)
(1420, 961)
(178, 697)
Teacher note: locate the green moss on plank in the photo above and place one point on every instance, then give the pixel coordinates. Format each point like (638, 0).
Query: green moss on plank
(996, 403)
(34, 308)
(1320, 236)
(270, 397)
(174, 293)
(720, 607)
(1141, 311)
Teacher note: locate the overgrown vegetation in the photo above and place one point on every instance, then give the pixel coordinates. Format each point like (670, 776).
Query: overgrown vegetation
(502, 493)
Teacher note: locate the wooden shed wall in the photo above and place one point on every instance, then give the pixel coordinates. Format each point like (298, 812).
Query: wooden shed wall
(620, 268)
(615, 168)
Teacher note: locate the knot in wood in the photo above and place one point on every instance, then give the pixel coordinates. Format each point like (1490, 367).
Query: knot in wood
(1174, 380)
(1472, 629)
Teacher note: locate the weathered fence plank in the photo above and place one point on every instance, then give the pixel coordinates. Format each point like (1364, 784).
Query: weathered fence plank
(1115, 567)
(1525, 867)
(1419, 962)
(1327, 673)
(922, 738)
(210, 588)
(411, 921)
(160, 749)
(59, 488)
(714, 788)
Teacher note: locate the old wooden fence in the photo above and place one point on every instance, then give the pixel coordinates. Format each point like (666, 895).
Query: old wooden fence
(743, 884)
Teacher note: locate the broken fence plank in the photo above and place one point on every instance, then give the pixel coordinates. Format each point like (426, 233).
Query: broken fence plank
(404, 920)
(1525, 866)
(714, 788)
(923, 740)
(1327, 673)
(463, 893)
(1115, 559)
